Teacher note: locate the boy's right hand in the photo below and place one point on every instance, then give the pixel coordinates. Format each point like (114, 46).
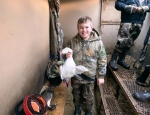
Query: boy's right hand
(68, 55)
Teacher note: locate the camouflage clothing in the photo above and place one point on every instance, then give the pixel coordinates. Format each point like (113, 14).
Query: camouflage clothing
(56, 33)
(83, 93)
(55, 5)
(91, 54)
(52, 72)
(128, 32)
(131, 22)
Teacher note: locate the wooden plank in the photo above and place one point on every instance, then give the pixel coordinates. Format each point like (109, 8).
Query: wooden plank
(59, 97)
(60, 93)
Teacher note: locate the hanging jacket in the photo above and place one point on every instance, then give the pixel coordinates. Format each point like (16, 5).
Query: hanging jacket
(134, 17)
(90, 53)
(56, 32)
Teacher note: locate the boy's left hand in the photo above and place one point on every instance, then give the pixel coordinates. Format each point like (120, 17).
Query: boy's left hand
(100, 81)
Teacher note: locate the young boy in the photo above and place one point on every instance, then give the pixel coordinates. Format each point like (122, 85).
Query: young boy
(88, 51)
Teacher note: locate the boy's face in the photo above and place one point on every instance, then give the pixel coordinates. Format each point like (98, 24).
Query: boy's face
(84, 30)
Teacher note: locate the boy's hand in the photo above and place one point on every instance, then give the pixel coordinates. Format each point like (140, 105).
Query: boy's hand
(100, 81)
(66, 84)
(68, 55)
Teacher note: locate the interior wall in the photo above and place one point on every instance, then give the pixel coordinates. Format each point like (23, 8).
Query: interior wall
(24, 50)
(72, 10)
(110, 20)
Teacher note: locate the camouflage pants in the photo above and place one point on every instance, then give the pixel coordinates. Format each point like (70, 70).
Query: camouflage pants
(83, 93)
(127, 34)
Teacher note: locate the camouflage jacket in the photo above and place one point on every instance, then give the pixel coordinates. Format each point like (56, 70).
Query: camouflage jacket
(90, 53)
(56, 32)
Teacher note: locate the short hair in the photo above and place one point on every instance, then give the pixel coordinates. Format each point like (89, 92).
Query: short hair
(83, 20)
